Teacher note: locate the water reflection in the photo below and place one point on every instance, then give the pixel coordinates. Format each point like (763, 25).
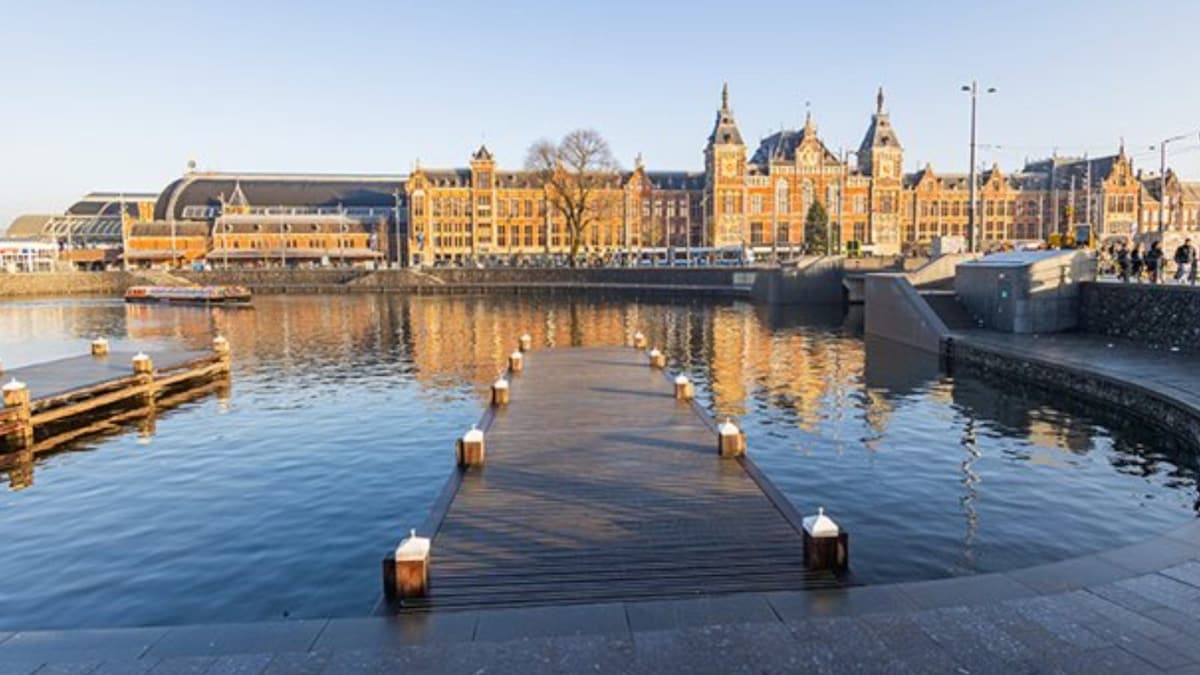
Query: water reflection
(81, 432)
(345, 404)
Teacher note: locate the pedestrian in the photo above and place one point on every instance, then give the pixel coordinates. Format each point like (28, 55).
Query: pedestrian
(1154, 262)
(1135, 263)
(1123, 262)
(1185, 260)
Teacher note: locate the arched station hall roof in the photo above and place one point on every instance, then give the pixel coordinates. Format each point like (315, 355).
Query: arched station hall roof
(307, 190)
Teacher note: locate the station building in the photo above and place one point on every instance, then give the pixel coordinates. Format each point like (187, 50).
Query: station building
(273, 220)
(758, 199)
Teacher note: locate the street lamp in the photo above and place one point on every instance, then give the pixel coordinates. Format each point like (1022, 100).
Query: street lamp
(1162, 178)
(973, 89)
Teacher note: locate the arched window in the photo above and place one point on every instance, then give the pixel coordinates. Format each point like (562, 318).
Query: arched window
(781, 196)
(806, 195)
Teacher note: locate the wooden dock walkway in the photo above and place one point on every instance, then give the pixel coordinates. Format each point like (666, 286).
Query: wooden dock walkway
(600, 486)
(64, 399)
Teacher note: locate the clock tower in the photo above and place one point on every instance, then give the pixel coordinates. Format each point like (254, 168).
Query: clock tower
(725, 180)
(880, 157)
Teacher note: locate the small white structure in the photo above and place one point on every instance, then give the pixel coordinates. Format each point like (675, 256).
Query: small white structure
(17, 255)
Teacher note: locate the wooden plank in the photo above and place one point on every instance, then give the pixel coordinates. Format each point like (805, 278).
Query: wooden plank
(599, 485)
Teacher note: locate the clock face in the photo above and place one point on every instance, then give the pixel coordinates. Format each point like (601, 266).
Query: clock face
(729, 167)
(885, 169)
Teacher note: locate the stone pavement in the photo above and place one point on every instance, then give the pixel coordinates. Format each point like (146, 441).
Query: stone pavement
(1172, 373)
(1133, 610)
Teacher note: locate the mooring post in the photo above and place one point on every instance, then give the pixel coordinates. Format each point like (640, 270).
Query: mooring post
(406, 570)
(657, 359)
(470, 450)
(526, 342)
(731, 442)
(143, 368)
(684, 390)
(516, 362)
(826, 546)
(639, 340)
(500, 392)
(220, 347)
(16, 398)
(100, 347)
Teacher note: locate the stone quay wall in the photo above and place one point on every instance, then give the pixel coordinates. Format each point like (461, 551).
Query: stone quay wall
(67, 283)
(818, 281)
(1132, 399)
(1165, 316)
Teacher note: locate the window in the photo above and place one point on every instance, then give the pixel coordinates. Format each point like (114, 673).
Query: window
(528, 208)
(756, 204)
(806, 194)
(781, 196)
(860, 203)
(756, 234)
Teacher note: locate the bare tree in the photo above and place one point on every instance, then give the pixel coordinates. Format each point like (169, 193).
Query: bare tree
(581, 179)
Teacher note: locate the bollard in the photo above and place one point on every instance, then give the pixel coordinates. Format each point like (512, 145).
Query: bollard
(526, 342)
(657, 359)
(731, 442)
(470, 449)
(406, 570)
(99, 347)
(142, 364)
(143, 368)
(16, 397)
(684, 390)
(639, 340)
(826, 546)
(500, 392)
(516, 362)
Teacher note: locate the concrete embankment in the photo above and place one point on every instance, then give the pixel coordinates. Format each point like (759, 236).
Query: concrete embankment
(68, 283)
(815, 280)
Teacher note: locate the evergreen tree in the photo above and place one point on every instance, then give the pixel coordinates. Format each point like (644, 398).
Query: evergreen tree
(816, 229)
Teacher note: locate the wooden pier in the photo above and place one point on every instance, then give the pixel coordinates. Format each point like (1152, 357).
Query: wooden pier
(48, 404)
(600, 486)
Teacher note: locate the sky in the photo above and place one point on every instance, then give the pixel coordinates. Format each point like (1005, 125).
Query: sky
(119, 96)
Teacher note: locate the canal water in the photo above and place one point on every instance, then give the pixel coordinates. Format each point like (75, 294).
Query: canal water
(277, 496)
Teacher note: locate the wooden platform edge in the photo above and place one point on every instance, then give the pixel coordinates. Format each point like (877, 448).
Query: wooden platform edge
(774, 495)
(441, 505)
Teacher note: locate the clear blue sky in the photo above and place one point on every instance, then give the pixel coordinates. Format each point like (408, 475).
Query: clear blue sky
(119, 95)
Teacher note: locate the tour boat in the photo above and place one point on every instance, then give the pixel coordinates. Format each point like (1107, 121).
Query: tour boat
(189, 295)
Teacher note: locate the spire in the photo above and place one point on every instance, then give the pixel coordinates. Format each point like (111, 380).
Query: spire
(725, 131)
(637, 161)
(879, 101)
(810, 127)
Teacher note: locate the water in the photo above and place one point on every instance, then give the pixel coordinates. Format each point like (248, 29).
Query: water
(278, 497)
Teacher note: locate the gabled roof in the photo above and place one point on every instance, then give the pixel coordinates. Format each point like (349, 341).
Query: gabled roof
(1066, 168)
(675, 180)
(781, 146)
(482, 154)
(880, 132)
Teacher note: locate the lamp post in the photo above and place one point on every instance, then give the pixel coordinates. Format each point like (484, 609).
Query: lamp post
(973, 89)
(396, 195)
(1162, 179)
